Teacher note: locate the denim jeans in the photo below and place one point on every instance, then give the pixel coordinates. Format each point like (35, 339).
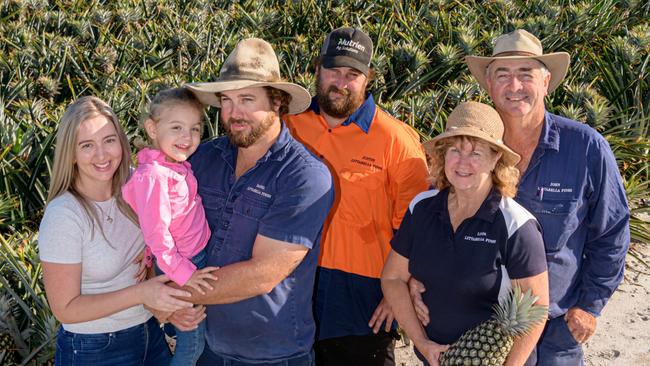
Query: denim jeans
(189, 345)
(210, 358)
(140, 345)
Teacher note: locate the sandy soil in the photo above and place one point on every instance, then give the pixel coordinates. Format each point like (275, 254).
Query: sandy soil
(623, 334)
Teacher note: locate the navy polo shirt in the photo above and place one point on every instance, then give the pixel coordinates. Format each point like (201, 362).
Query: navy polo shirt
(466, 272)
(286, 196)
(573, 187)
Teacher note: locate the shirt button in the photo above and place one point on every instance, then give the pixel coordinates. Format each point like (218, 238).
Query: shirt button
(329, 130)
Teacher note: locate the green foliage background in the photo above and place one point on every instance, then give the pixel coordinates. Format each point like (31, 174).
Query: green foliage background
(52, 52)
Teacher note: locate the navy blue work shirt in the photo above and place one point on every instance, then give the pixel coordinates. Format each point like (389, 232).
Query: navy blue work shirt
(286, 196)
(573, 187)
(466, 272)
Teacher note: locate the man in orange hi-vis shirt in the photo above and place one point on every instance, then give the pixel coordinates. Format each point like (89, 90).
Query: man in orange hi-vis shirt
(378, 166)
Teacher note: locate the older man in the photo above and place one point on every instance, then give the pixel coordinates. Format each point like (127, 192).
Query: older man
(569, 181)
(266, 198)
(378, 165)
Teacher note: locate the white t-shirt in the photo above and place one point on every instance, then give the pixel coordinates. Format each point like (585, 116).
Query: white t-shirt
(66, 236)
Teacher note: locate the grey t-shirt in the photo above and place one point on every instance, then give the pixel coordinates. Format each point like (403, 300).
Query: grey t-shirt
(66, 236)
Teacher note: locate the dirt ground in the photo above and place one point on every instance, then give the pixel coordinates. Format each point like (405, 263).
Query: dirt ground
(623, 334)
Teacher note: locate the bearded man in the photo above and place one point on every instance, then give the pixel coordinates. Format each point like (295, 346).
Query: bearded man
(266, 198)
(378, 166)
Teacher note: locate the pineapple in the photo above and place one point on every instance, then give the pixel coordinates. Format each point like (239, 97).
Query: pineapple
(7, 350)
(489, 343)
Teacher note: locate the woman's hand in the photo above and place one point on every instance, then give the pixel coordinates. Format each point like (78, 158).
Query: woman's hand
(155, 294)
(431, 351)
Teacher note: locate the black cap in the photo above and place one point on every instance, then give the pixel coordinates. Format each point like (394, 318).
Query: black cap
(347, 47)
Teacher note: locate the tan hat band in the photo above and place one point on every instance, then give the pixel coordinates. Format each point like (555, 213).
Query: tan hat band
(515, 53)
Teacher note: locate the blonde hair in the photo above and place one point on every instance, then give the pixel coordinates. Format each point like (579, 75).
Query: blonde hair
(504, 177)
(166, 98)
(65, 172)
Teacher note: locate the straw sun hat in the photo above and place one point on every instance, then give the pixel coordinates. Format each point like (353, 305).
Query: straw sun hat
(478, 120)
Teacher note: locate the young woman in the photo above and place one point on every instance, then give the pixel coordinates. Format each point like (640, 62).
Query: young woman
(89, 245)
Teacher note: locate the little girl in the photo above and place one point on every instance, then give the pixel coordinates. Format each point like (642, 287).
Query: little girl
(163, 193)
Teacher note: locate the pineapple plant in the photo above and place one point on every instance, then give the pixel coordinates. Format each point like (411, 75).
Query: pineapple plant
(489, 343)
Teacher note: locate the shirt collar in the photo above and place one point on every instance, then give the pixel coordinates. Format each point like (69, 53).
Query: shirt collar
(550, 136)
(486, 212)
(150, 156)
(362, 117)
(490, 206)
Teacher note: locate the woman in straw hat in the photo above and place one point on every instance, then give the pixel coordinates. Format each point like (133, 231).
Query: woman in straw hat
(467, 240)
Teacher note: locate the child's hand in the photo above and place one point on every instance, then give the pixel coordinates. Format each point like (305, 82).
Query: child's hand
(199, 277)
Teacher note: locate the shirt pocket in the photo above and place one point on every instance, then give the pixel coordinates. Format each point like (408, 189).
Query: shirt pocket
(362, 195)
(244, 225)
(557, 216)
(214, 202)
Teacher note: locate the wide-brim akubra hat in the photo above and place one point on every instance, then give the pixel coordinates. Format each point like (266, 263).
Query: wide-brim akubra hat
(477, 120)
(252, 63)
(519, 45)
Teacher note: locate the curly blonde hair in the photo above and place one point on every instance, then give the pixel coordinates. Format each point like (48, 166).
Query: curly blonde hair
(505, 177)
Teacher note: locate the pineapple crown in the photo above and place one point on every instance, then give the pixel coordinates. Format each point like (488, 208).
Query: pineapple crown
(517, 313)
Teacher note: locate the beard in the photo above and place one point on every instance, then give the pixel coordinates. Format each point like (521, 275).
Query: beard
(342, 108)
(246, 139)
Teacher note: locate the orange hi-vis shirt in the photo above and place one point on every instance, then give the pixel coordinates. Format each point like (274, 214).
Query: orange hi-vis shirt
(376, 174)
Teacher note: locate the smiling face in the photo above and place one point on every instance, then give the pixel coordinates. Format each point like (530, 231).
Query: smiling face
(517, 87)
(177, 133)
(98, 153)
(340, 90)
(248, 115)
(469, 165)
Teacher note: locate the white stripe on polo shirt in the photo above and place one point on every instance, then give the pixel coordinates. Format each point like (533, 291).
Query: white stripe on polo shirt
(421, 196)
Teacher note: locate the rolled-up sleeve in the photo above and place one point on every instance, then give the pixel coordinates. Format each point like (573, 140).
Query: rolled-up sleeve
(300, 209)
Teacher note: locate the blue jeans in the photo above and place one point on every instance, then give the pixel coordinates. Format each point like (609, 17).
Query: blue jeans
(556, 346)
(210, 358)
(189, 345)
(140, 345)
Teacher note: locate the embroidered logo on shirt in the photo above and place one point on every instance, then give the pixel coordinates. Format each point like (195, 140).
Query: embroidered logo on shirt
(481, 236)
(259, 189)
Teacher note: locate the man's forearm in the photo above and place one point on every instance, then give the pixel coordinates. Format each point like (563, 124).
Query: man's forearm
(236, 282)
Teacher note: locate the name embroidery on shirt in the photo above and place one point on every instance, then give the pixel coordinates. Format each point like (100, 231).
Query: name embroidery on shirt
(553, 187)
(259, 189)
(367, 161)
(481, 236)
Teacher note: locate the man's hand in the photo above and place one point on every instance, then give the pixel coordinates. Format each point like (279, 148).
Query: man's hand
(416, 288)
(382, 313)
(187, 319)
(581, 324)
(141, 275)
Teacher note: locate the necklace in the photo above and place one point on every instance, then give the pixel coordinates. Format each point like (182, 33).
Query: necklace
(107, 214)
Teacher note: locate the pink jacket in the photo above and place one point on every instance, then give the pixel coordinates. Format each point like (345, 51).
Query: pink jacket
(164, 195)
